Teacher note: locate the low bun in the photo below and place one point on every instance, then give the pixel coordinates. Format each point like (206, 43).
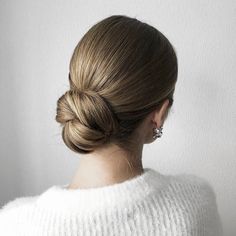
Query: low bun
(87, 119)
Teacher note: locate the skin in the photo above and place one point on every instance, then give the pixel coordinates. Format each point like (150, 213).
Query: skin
(110, 164)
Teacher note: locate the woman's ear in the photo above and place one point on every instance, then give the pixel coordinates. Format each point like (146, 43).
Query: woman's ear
(160, 116)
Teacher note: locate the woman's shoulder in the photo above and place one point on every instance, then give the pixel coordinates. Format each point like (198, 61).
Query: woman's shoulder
(192, 186)
(16, 213)
(182, 186)
(199, 182)
(196, 197)
(191, 180)
(16, 202)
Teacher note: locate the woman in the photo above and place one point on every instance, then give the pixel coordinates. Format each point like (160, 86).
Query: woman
(122, 80)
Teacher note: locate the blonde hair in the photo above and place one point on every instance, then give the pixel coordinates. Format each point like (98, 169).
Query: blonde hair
(121, 70)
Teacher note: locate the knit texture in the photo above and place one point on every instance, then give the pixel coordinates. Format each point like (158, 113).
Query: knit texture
(145, 205)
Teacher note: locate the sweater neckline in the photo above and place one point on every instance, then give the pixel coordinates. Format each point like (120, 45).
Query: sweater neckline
(136, 188)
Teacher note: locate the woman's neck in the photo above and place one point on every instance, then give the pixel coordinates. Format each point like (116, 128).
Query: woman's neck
(106, 166)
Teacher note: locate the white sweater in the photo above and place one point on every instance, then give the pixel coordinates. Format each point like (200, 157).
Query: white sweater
(146, 205)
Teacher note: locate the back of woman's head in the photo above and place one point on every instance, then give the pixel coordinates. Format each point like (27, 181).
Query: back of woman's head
(121, 70)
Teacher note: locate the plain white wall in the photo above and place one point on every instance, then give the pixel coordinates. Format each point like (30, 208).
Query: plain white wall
(36, 42)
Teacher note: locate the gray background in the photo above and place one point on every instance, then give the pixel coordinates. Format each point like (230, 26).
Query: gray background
(36, 42)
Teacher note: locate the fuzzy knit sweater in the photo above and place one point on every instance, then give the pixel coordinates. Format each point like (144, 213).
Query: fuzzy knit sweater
(145, 205)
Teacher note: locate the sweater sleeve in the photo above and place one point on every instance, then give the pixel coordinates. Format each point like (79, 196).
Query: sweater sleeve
(214, 223)
(207, 200)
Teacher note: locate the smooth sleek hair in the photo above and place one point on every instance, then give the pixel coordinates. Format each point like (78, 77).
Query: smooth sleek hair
(121, 70)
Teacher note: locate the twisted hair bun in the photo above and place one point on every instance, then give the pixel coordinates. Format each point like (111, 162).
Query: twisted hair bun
(87, 120)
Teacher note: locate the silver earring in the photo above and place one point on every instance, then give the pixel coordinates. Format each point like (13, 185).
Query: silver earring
(157, 132)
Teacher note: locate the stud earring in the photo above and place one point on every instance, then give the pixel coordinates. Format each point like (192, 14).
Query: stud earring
(157, 132)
